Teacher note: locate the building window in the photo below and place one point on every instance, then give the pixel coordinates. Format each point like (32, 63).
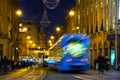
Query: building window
(101, 4)
(105, 49)
(92, 29)
(87, 29)
(78, 1)
(96, 30)
(0, 29)
(101, 26)
(1, 51)
(100, 48)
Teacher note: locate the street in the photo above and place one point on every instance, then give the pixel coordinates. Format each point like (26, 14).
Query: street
(47, 74)
(82, 75)
(25, 73)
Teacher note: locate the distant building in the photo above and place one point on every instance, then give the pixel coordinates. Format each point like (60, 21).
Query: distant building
(8, 28)
(28, 38)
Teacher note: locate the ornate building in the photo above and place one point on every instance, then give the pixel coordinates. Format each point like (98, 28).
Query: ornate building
(8, 28)
(98, 19)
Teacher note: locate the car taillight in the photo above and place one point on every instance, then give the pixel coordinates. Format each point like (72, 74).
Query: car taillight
(69, 60)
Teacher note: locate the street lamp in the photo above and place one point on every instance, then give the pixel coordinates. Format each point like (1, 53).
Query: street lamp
(19, 12)
(31, 42)
(50, 44)
(52, 37)
(58, 32)
(71, 13)
(49, 41)
(25, 29)
(72, 20)
(34, 45)
(28, 37)
(58, 29)
(16, 14)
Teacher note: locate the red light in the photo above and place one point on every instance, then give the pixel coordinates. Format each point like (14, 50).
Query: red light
(69, 60)
(83, 60)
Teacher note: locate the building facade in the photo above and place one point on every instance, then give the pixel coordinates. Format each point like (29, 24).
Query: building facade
(98, 19)
(8, 28)
(28, 38)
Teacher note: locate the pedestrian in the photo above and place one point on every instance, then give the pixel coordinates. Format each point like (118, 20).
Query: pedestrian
(95, 63)
(39, 63)
(107, 63)
(101, 63)
(5, 64)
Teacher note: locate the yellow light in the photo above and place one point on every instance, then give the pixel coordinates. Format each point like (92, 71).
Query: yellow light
(24, 29)
(28, 37)
(71, 13)
(30, 41)
(16, 48)
(20, 24)
(77, 27)
(49, 41)
(50, 44)
(19, 12)
(33, 44)
(52, 37)
(58, 29)
(38, 47)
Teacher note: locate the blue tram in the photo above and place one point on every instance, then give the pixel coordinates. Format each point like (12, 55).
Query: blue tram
(70, 52)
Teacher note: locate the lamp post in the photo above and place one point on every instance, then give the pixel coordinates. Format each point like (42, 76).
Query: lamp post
(50, 42)
(52, 38)
(72, 14)
(16, 14)
(58, 29)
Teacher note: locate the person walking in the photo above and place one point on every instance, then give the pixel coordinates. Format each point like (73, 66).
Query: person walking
(107, 63)
(101, 63)
(95, 63)
(5, 64)
(39, 63)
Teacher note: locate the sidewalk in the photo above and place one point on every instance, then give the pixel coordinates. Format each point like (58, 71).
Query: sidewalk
(111, 72)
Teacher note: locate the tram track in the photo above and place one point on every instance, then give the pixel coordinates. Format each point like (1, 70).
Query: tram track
(30, 74)
(16, 73)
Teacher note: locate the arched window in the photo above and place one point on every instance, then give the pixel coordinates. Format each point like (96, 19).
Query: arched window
(101, 29)
(92, 29)
(95, 50)
(96, 30)
(100, 48)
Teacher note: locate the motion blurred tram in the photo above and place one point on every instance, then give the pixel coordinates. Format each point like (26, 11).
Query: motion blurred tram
(70, 52)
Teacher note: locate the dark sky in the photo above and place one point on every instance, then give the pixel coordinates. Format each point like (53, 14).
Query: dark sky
(33, 10)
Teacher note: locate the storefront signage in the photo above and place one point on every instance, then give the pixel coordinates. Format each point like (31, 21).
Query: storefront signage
(110, 36)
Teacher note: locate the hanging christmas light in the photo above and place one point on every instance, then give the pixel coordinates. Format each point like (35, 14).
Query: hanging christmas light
(45, 21)
(51, 4)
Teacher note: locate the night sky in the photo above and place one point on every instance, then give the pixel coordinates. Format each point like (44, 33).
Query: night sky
(33, 10)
